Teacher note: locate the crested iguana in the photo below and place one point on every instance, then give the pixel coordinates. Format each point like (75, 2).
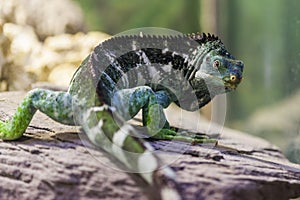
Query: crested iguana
(129, 73)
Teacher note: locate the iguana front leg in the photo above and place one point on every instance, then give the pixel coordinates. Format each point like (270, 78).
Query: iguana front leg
(129, 102)
(56, 105)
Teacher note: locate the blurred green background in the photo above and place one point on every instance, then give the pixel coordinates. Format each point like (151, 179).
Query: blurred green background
(264, 34)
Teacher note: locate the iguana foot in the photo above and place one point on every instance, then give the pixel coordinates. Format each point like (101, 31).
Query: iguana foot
(6, 133)
(185, 136)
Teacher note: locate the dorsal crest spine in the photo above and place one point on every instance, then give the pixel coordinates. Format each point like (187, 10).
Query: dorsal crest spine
(203, 37)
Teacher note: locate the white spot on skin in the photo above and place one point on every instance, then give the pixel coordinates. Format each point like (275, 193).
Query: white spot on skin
(133, 45)
(123, 82)
(113, 109)
(117, 66)
(153, 71)
(118, 152)
(169, 193)
(96, 109)
(147, 163)
(97, 131)
(144, 57)
(169, 173)
(165, 43)
(141, 80)
(167, 68)
(200, 74)
(95, 57)
(100, 124)
(141, 34)
(110, 56)
(195, 52)
(149, 146)
(118, 142)
(186, 57)
(121, 134)
(66, 99)
(174, 53)
(111, 82)
(94, 131)
(56, 114)
(165, 50)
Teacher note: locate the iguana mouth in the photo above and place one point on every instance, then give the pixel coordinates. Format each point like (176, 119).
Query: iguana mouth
(231, 82)
(229, 85)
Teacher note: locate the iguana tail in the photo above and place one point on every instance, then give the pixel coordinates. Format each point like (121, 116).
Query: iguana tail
(106, 130)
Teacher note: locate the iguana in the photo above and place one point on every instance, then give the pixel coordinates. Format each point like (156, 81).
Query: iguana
(129, 73)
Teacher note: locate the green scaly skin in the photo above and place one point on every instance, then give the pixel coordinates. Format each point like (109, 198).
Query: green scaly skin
(101, 97)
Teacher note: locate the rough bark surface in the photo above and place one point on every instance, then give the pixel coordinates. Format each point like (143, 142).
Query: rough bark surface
(51, 162)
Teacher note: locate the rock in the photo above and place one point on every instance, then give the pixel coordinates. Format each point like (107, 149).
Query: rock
(71, 50)
(3, 51)
(51, 162)
(17, 44)
(62, 74)
(50, 17)
(24, 63)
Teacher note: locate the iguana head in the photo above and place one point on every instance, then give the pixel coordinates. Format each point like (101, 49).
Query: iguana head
(215, 65)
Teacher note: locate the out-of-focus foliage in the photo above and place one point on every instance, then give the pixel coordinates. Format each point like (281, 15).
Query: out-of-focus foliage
(266, 36)
(114, 16)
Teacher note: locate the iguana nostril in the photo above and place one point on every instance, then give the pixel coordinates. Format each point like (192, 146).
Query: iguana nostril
(239, 62)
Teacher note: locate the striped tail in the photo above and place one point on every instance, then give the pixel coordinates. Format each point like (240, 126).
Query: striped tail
(108, 131)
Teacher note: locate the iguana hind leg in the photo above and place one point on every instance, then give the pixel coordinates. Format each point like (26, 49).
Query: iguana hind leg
(57, 105)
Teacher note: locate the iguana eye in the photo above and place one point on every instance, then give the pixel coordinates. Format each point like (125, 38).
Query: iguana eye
(216, 64)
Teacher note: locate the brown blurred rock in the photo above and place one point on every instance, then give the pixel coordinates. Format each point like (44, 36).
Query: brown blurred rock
(62, 74)
(16, 45)
(26, 60)
(50, 162)
(71, 50)
(24, 56)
